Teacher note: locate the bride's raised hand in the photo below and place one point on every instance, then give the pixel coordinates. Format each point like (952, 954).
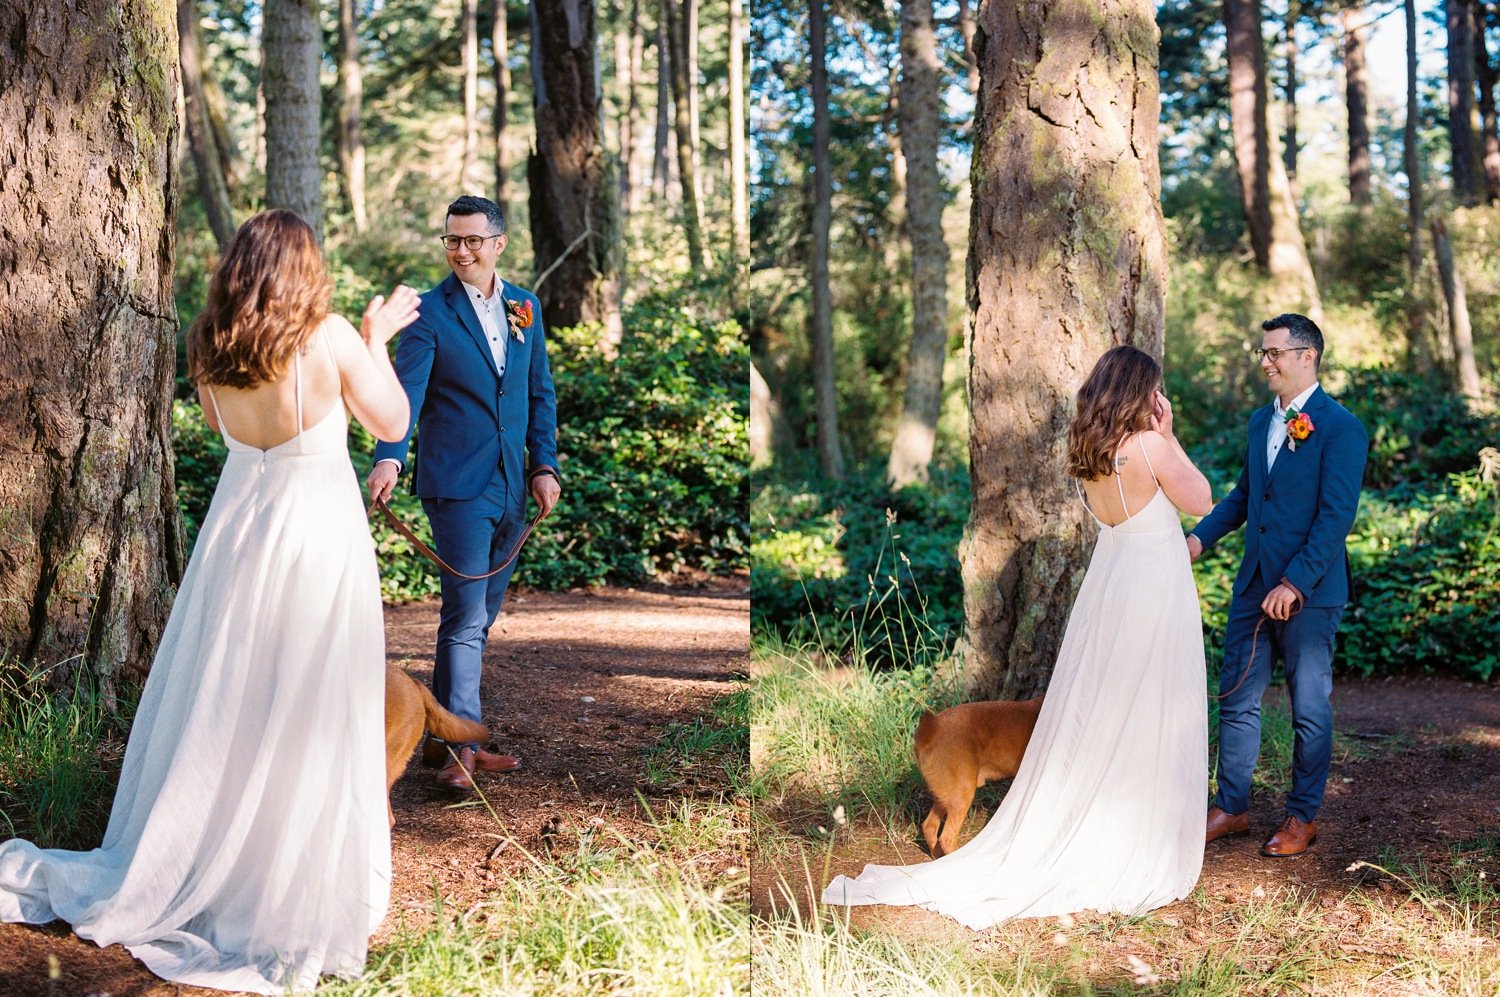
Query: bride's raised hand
(384, 317)
(1161, 413)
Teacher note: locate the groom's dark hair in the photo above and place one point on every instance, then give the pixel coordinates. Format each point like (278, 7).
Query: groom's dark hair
(471, 205)
(1302, 331)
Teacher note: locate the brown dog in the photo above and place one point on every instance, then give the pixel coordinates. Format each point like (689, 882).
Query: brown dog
(409, 710)
(962, 748)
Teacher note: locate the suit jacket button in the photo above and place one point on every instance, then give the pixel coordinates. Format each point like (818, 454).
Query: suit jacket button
(1266, 497)
(502, 395)
(1262, 529)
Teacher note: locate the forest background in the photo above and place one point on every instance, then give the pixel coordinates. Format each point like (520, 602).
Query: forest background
(857, 546)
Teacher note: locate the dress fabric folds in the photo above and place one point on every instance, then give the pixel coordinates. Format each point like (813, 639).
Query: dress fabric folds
(1106, 811)
(247, 848)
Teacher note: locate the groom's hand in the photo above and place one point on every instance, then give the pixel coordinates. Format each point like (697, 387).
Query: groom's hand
(1195, 548)
(1281, 602)
(382, 480)
(546, 491)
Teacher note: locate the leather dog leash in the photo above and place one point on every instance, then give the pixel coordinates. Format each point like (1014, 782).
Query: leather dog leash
(1254, 640)
(431, 554)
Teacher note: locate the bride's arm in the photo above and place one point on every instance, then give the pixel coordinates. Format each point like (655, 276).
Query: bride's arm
(1184, 484)
(368, 382)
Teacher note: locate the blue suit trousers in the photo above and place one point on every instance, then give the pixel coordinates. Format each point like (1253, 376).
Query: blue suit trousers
(471, 535)
(1305, 643)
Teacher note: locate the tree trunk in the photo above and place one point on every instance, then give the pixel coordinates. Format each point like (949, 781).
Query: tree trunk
(830, 454)
(690, 53)
(469, 33)
(91, 547)
(661, 169)
(1356, 86)
(739, 191)
(351, 91)
(1410, 157)
(1486, 77)
(500, 42)
(1468, 179)
(765, 418)
(966, 31)
(921, 124)
(687, 169)
(291, 46)
(1289, 47)
(1066, 259)
(218, 124)
(1270, 210)
(212, 188)
(625, 81)
(574, 194)
(1460, 333)
(638, 182)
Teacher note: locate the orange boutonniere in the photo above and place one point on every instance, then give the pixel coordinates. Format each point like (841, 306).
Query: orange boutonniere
(1299, 426)
(520, 316)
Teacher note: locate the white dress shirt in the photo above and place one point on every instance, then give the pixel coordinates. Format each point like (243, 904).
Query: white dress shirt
(492, 320)
(1276, 432)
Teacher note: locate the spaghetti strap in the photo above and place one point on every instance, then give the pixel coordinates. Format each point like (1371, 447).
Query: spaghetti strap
(1082, 498)
(1120, 483)
(219, 416)
(1144, 454)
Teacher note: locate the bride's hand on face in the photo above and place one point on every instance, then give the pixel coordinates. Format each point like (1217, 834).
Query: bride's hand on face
(1161, 413)
(387, 316)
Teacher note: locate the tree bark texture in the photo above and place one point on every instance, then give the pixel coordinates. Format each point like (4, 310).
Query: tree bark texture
(1066, 259)
(1460, 332)
(500, 43)
(91, 546)
(1490, 139)
(690, 60)
(1410, 156)
(687, 155)
(1468, 178)
(1357, 88)
(625, 98)
(830, 453)
(661, 169)
(1270, 209)
(638, 169)
(574, 195)
(1289, 46)
(921, 125)
(291, 45)
(739, 189)
(351, 145)
(207, 165)
(469, 34)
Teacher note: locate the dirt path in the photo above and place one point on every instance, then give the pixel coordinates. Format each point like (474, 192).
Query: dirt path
(1430, 780)
(576, 683)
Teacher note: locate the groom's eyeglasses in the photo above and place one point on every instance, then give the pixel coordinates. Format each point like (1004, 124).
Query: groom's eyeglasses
(469, 242)
(1274, 353)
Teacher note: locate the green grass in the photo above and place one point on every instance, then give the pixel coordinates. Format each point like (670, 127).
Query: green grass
(719, 741)
(604, 913)
(60, 754)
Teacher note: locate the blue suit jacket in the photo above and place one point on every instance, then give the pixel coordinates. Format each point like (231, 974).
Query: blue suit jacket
(1298, 512)
(470, 421)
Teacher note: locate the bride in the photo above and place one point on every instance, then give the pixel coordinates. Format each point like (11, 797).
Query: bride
(247, 847)
(1106, 812)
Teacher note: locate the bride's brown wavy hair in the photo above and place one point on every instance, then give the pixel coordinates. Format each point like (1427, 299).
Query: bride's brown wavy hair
(268, 293)
(1114, 403)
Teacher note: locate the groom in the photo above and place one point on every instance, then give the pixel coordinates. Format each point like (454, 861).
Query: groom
(474, 365)
(1296, 497)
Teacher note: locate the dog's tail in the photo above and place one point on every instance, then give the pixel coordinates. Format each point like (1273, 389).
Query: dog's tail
(444, 725)
(927, 729)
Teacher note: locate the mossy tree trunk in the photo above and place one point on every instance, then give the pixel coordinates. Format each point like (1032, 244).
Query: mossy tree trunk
(90, 537)
(1066, 259)
(921, 128)
(1270, 208)
(291, 48)
(574, 193)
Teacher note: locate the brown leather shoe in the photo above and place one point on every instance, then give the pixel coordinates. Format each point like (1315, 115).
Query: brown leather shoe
(488, 761)
(458, 774)
(435, 753)
(1291, 838)
(1221, 824)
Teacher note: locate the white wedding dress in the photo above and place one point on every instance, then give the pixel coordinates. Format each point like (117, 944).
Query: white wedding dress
(1106, 812)
(248, 848)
